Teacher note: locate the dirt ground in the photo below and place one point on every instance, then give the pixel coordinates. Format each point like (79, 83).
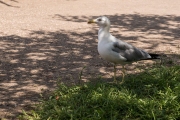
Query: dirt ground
(45, 41)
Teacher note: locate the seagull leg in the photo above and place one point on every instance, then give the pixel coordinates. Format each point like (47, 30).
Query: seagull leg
(123, 73)
(114, 72)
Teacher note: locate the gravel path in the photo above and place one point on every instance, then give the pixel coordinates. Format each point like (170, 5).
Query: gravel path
(45, 41)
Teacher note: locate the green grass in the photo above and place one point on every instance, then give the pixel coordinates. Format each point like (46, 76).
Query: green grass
(151, 95)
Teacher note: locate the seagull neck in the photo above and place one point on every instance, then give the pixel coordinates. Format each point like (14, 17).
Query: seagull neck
(103, 31)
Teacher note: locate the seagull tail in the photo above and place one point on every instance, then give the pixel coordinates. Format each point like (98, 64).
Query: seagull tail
(153, 56)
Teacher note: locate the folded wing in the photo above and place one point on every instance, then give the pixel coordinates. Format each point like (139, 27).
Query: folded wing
(130, 52)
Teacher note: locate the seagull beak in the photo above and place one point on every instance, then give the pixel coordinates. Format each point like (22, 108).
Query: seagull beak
(91, 21)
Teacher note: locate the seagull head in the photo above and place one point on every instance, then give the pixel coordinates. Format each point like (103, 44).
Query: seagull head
(101, 21)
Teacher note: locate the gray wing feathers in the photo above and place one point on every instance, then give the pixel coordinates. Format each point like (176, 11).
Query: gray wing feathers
(128, 51)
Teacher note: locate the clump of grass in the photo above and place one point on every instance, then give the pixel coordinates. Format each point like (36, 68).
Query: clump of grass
(150, 95)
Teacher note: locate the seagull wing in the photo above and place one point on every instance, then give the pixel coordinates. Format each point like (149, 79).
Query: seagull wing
(128, 51)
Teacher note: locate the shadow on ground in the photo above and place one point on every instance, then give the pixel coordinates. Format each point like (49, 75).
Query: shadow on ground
(9, 5)
(30, 64)
(152, 24)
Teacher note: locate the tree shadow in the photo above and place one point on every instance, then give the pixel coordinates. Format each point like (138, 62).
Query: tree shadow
(29, 65)
(4, 3)
(168, 25)
(151, 30)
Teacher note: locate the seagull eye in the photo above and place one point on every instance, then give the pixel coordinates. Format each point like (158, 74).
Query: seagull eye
(99, 20)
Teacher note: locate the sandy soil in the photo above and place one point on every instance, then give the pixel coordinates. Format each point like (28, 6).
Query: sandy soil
(45, 41)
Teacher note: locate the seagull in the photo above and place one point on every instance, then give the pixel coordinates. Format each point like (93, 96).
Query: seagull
(117, 51)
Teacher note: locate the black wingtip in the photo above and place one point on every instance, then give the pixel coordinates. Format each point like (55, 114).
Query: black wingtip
(154, 56)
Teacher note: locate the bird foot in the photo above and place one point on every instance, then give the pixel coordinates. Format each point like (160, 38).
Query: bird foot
(115, 81)
(118, 82)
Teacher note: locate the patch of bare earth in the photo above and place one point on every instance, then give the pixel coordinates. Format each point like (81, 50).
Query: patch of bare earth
(45, 41)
